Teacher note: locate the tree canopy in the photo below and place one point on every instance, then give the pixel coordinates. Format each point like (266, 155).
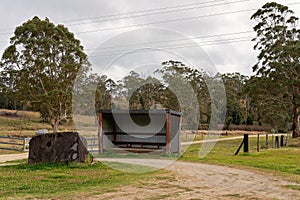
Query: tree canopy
(278, 41)
(40, 65)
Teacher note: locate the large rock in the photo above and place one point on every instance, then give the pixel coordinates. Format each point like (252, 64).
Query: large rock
(57, 147)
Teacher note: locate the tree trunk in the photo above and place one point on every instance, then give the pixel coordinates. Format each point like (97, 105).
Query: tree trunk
(55, 124)
(295, 127)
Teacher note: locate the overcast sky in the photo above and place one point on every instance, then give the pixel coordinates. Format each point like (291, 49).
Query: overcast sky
(211, 34)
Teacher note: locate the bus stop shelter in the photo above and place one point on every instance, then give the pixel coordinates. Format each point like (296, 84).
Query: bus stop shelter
(139, 130)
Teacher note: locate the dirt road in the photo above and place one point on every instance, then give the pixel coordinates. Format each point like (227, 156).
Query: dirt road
(11, 157)
(204, 181)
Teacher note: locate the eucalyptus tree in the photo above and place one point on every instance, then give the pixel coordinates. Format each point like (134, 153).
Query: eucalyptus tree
(40, 66)
(278, 41)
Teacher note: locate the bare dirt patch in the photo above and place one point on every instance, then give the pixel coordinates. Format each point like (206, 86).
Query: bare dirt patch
(203, 181)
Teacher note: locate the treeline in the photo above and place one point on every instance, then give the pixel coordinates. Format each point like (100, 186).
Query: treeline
(249, 100)
(41, 66)
(179, 88)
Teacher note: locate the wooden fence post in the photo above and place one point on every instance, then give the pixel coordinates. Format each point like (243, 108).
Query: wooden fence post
(281, 140)
(246, 143)
(24, 144)
(267, 141)
(186, 138)
(238, 150)
(276, 142)
(257, 145)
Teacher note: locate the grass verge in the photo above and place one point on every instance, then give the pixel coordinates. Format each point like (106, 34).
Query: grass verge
(62, 181)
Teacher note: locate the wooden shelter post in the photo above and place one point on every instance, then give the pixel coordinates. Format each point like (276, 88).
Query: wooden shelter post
(168, 132)
(100, 133)
(179, 129)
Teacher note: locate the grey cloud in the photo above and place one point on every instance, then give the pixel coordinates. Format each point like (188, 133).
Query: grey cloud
(227, 57)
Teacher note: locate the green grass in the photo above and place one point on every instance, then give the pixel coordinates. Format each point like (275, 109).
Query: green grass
(232, 195)
(294, 187)
(283, 160)
(65, 181)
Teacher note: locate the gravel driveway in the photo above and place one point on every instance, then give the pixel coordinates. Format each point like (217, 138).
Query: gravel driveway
(204, 181)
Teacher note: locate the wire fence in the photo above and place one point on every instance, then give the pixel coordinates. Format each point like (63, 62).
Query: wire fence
(230, 144)
(92, 144)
